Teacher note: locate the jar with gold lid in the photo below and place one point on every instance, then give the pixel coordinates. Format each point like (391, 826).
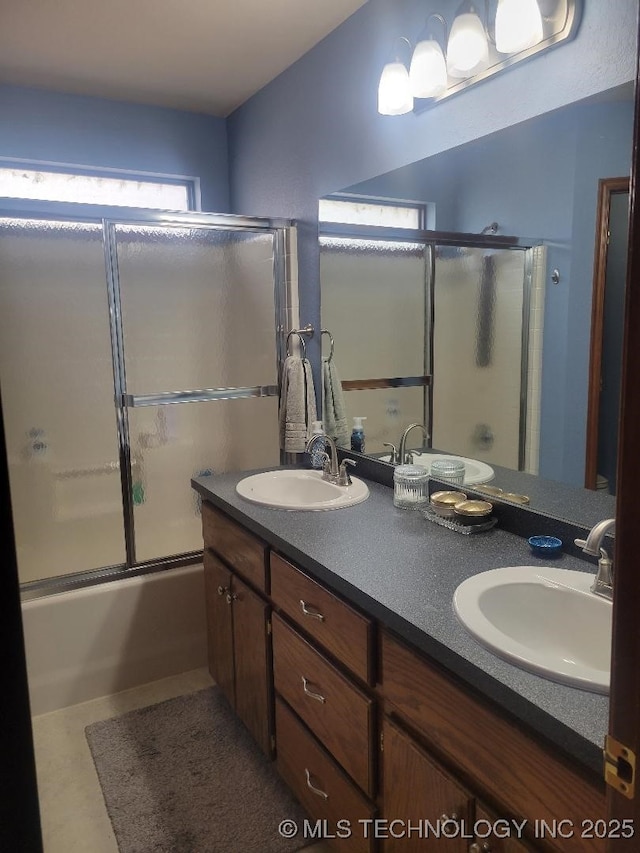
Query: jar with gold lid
(472, 512)
(443, 503)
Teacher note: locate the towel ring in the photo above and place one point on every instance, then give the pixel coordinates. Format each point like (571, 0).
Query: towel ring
(327, 332)
(302, 343)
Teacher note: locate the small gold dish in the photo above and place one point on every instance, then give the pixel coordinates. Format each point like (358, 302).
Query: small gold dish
(489, 490)
(444, 502)
(472, 512)
(516, 499)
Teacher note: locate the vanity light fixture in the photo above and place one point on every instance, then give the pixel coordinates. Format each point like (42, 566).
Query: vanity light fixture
(428, 71)
(518, 25)
(468, 46)
(394, 90)
(478, 45)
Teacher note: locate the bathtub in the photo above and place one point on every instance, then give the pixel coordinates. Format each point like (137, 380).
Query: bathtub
(99, 640)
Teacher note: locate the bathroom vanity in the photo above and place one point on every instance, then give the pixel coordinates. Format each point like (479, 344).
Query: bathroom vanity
(333, 636)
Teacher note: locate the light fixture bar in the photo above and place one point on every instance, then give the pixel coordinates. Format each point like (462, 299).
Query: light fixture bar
(471, 53)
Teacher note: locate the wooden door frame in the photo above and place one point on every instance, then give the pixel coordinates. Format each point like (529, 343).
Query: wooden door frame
(607, 187)
(624, 706)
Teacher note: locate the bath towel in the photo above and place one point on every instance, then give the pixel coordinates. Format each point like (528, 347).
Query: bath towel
(297, 410)
(334, 411)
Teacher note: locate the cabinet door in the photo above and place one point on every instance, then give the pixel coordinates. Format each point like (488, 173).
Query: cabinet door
(217, 581)
(416, 791)
(503, 838)
(252, 651)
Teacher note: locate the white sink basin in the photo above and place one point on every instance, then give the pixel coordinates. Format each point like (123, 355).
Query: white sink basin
(542, 619)
(475, 472)
(301, 490)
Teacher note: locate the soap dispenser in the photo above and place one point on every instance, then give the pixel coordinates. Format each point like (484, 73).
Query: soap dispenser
(318, 447)
(357, 436)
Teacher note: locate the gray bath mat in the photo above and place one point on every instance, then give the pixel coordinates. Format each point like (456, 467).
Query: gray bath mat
(184, 776)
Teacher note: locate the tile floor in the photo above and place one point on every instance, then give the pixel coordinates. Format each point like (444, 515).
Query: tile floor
(73, 814)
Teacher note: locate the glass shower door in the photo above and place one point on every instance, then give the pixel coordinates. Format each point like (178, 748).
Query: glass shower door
(56, 372)
(385, 373)
(199, 369)
(481, 298)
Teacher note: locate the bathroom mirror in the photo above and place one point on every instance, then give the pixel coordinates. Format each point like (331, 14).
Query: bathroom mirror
(539, 182)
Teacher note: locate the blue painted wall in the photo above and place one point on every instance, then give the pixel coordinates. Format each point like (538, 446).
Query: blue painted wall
(96, 132)
(315, 130)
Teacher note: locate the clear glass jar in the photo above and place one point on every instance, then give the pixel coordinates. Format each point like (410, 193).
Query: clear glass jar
(410, 486)
(450, 470)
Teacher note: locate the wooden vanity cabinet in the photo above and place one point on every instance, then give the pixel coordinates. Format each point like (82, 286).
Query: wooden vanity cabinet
(238, 625)
(362, 729)
(495, 842)
(336, 626)
(502, 763)
(325, 791)
(325, 712)
(416, 791)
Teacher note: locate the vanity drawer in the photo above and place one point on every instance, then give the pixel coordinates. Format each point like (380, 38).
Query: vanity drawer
(526, 777)
(239, 548)
(337, 711)
(318, 783)
(342, 631)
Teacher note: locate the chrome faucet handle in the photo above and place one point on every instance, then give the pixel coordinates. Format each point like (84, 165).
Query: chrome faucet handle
(581, 543)
(603, 583)
(343, 478)
(394, 452)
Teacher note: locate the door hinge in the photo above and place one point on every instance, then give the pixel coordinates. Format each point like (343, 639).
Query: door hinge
(268, 627)
(381, 741)
(619, 767)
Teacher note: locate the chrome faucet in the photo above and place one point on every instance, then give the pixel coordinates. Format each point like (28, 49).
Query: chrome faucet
(603, 584)
(402, 454)
(331, 471)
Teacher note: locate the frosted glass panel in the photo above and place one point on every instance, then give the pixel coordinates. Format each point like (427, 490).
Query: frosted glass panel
(57, 388)
(478, 353)
(171, 444)
(388, 412)
(197, 307)
(373, 302)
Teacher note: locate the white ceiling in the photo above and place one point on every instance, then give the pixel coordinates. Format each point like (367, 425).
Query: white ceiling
(202, 55)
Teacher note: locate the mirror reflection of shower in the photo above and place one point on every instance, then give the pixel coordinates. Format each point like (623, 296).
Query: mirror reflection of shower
(443, 337)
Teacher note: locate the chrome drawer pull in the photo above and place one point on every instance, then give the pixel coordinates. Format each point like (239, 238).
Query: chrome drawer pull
(222, 590)
(315, 790)
(317, 696)
(453, 818)
(315, 614)
(231, 597)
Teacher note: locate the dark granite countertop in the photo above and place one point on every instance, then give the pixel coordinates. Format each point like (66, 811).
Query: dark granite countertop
(403, 570)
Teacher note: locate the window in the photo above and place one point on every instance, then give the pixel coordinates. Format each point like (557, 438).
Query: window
(358, 211)
(108, 189)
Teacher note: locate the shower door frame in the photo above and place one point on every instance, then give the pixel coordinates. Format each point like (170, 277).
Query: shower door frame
(430, 239)
(108, 218)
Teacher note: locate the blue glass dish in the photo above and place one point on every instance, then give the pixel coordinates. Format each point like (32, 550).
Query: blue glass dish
(545, 546)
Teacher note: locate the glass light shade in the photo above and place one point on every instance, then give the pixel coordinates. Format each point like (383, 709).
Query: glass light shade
(394, 93)
(428, 71)
(518, 25)
(467, 50)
